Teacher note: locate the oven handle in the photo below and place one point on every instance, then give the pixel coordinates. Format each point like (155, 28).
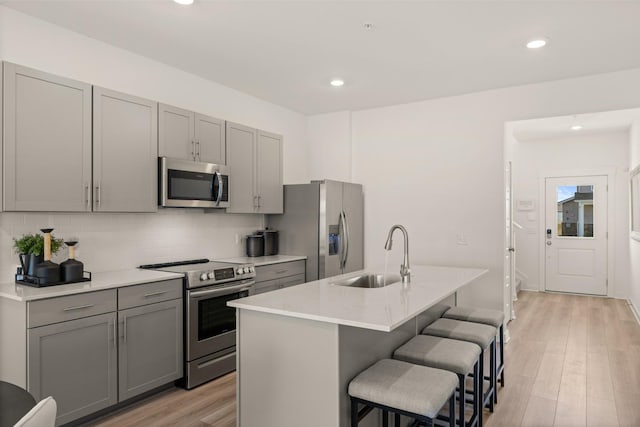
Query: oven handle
(245, 286)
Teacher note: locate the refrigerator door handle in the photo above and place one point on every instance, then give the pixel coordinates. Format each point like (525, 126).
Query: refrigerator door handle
(346, 234)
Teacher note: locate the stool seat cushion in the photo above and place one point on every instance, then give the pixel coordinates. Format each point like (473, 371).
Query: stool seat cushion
(476, 333)
(400, 385)
(494, 318)
(452, 355)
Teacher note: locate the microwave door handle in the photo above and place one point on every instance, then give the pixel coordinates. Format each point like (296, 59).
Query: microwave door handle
(220, 187)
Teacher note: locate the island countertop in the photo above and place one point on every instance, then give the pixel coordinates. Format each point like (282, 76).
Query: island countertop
(382, 309)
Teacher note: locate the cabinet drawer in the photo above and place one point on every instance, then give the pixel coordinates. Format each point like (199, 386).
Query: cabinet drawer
(292, 281)
(283, 269)
(266, 286)
(60, 309)
(148, 293)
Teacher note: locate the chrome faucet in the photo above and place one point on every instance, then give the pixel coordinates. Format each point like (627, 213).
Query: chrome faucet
(405, 271)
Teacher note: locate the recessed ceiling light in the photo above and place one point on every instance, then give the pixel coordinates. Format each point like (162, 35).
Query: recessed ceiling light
(536, 44)
(576, 127)
(337, 82)
(184, 2)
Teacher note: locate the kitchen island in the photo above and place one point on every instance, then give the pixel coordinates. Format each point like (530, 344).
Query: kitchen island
(299, 347)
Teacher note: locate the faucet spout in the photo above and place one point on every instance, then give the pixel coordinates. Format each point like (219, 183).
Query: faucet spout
(405, 271)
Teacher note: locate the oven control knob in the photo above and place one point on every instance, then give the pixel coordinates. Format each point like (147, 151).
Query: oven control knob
(246, 270)
(211, 275)
(204, 276)
(239, 270)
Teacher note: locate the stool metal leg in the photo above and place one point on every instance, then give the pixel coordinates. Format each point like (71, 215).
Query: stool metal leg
(501, 366)
(452, 409)
(385, 418)
(461, 386)
(354, 413)
(493, 373)
(397, 420)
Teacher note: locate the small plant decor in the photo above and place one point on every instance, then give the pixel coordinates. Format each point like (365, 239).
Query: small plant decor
(33, 244)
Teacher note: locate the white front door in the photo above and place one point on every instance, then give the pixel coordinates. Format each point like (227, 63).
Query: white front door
(576, 234)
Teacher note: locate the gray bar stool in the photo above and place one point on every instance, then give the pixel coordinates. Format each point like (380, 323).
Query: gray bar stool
(402, 388)
(482, 335)
(485, 316)
(460, 357)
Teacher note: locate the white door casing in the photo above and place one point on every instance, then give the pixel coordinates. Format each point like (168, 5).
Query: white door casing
(576, 262)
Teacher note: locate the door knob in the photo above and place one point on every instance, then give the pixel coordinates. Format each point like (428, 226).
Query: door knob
(548, 242)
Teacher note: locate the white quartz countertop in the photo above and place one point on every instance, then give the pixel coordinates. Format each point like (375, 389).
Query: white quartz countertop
(262, 260)
(382, 309)
(99, 281)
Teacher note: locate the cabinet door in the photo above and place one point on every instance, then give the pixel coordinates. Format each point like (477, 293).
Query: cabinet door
(150, 350)
(210, 139)
(125, 141)
(269, 173)
(47, 142)
(175, 133)
(241, 142)
(75, 362)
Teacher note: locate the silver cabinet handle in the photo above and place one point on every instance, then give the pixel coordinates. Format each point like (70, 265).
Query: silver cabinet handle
(281, 271)
(124, 329)
(98, 198)
(198, 149)
(88, 196)
(193, 150)
(220, 185)
(255, 201)
(154, 294)
(113, 325)
(79, 307)
(259, 198)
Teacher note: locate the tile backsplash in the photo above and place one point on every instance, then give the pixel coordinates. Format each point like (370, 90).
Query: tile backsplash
(116, 241)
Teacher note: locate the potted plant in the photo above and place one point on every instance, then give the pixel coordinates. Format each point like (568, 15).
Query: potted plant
(30, 249)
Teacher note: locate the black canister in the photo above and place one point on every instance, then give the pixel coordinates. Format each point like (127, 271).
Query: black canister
(71, 270)
(270, 241)
(47, 272)
(255, 245)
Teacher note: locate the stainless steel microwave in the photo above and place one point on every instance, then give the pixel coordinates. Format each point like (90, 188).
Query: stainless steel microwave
(189, 184)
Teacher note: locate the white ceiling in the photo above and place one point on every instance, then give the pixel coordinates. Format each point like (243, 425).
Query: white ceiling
(287, 51)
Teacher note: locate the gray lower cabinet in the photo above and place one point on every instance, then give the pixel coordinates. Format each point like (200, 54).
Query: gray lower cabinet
(183, 134)
(277, 276)
(150, 347)
(255, 164)
(92, 350)
(47, 141)
(125, 151)
(76, 363)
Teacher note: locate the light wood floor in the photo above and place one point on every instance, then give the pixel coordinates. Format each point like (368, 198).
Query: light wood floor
(572, 361)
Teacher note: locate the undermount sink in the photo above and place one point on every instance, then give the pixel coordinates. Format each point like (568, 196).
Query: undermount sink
(369, 280)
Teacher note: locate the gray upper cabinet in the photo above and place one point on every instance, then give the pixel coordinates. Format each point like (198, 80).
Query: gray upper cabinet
(187, 135)
(255, 167)
(47, 142)
(76, 363)
(125, 166)
(269, 173)
(210, 139)
(150, 347)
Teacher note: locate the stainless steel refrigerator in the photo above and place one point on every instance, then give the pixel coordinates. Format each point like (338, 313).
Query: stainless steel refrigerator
(323, 220)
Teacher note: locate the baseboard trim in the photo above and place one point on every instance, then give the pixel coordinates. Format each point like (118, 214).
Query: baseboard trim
(634, 310)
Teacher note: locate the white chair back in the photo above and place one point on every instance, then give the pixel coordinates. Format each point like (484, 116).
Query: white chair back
(41, 415)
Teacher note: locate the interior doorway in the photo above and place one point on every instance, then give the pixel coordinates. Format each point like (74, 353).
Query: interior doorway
(576, 234)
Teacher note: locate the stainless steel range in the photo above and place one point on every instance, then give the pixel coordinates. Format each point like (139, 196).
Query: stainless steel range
(210, 326)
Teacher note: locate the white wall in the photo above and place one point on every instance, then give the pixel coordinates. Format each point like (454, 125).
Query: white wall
(329, 137)
(534, 158)
(437, 167)
(634, 245)
(122, 241)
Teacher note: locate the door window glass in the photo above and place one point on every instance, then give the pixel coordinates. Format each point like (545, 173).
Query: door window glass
(575, 210)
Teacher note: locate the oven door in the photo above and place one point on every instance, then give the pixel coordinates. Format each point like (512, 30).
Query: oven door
(211, 324)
